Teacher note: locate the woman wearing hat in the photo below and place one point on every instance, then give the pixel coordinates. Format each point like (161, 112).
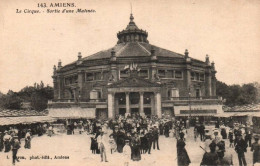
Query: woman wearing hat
(255, 148)
(7, 141)
(136, 155)
(182, 155)
(27, 144)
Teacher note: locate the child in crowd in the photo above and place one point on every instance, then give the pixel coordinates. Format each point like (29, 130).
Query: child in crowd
(127, 153)
(112, 144)
(231, 138)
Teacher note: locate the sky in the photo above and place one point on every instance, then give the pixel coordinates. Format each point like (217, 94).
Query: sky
(226, 30)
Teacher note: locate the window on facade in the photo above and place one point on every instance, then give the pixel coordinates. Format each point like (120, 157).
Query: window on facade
(99, 94)
(89, 77)
(170, 74)
(105, 75)
(67, 81)
(169, 93)
(75, 79)
(134, 98)
(192, 76)
(123, 74)
(202, 77)
(197, 76)
(143, 73)
(147, 98)
(178, 74)
(71, 80)
(197, 93)
(161, 73)
(97, 76)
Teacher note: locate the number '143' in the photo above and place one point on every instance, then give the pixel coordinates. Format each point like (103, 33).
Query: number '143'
(42, 5)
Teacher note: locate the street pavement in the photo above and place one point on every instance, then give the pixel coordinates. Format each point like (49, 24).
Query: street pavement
(77, 149)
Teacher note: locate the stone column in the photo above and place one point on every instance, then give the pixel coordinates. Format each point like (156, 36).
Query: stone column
(141, 106)
(158, 105)
(59, 87)
(127, 102)
(111, 105)
(187, 77)
(213, 85)
(80, 82)
(208, 84)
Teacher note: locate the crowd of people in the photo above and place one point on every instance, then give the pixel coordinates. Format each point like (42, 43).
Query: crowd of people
(10, 138)
(140, 135)
(134, 135)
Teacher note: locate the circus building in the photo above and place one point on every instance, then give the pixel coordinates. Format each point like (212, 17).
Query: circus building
(135, 76)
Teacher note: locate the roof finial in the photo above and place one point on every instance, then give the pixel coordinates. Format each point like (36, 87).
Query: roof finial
(131, 15)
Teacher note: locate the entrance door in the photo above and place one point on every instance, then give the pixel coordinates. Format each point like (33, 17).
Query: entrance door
(101, 113)
(134, 110)
(122, 111)
(147, 111)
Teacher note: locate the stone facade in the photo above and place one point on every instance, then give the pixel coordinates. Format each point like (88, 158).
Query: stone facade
(166, 76)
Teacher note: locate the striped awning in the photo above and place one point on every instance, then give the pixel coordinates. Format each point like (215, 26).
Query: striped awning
(237, 114)
(195, 115)
(25, 120)
(72, 113)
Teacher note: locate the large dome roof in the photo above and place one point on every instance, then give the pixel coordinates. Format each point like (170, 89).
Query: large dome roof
(132, 42)
(133, 49)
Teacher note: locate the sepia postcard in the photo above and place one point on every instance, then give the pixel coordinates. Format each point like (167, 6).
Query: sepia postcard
(129, 83)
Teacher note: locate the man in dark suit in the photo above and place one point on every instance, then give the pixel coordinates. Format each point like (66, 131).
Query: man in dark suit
(149, 138)
(156, 137)
(240, 148)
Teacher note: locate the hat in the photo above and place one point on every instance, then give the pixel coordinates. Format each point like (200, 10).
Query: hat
(212, 145)
(256, 137)
(6, 131)
(181, 134)
(15, 136)
(126, 140)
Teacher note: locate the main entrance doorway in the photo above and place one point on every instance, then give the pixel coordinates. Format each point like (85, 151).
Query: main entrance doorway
(148, 112)
(122, 111)
(134, 110)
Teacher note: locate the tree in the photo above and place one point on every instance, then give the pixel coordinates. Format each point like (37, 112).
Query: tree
(238, 95)
(10, 101)
(38, 95)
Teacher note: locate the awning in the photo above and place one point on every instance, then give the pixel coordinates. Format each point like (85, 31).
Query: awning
(194, 115)
(25, 120)
(72, 113)
(237, 114)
